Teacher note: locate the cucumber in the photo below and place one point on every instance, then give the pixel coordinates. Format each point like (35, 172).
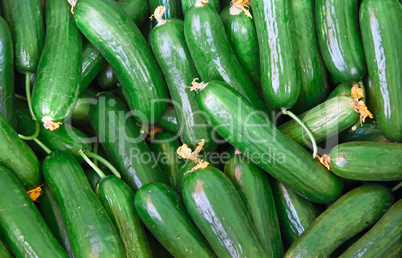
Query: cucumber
(18, 157)
(367, 161)
(314, 83)
(368, 132)
(280, 69)
(164, 214)
(173, 56)
(350, 214)
(107, 78)
(218, 211)
(385, 235)
(57, 79)
(6, 73)
(169, 121)
(120, 138)
(381, 27)
(164, 146)
(128, 54)
(92, 63)
(26, 25)
(21, 224)
(188, 4)
(255, 190)
(90, 230)
(212, 55)
(325, 120)
(294, 212)
(340, 40)
(173, 8)
(118, 200)
(239, 123)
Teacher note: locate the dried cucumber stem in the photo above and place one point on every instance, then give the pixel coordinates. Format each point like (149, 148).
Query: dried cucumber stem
(197, 86)
(34, 194)
(361, 108)
(185, 152)
(200, 3)
(72, 3)
(238, 7)
(48, 123)
(159, 11)
(325, 160)
(357, 92)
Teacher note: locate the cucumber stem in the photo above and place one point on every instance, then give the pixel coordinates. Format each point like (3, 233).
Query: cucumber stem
(89, 162)
(28, 94)
(104, 162)
(32, 137)
(396, 187)
(294, 117)
(43, 146)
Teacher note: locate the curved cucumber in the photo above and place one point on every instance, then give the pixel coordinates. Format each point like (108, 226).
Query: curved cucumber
(26, 24)
(107, 78)
(129, 55)
(381, 27)
(339, 37)
(118, 200)
(57, 79)
(255, 190)
(188, 4)
(173, 56)
(367, 161)
(218, 211)
(280, 69)
(238, 122)
(169, 121)
(90, 230)
(163, 212)
(27, 234)
(350, 214)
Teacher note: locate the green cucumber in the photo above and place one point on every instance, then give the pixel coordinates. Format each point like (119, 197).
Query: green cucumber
(350, 214)
(57, 79)
(6, 73)
(129, 55)
(385, 235)
(212, 55)
(188, 4)
(162, 211)
(122, 141)
(26, 25)
(90, 230)
(218, 211)
(369, 131)
(381, 27)
(324, 120)
(367, 161)
(238, 122)
(21, 224)
(255, 190)
(173, 8)
(169, 121)
(173, 56)
(280, 69)
(340, 40)
(118, 200)
(164, 146)
(18, 157)
(294, 212)
(314, 86)
(107, 78)
(92, 63)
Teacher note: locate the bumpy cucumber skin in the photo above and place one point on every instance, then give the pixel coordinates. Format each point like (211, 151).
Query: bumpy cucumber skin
(280, 69)
(90, 230)
(173, 56)
(218, 211)
(26, 24)
(339, 37)
(162, 211)
(107, 78)
(57, 79)
(122, 141)
(188, 4)
(294, 212)
(118, 200)
(381, 28)
(21, 224)
(383, 236)
(212, 55)
(314, 86)
(128, 53)
(350, 214)
(255, 190)
(6, 73)
(169, 121)
(367, 161)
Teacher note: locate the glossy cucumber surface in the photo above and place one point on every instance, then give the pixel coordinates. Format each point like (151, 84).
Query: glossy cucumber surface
(188, 4)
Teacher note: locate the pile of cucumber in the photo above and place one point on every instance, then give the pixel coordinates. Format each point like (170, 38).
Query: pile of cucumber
(200, 128)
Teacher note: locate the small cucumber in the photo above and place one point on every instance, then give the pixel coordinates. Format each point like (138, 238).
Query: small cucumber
(218, 211)
(350, 214)
(339, 37)
(169, 121)
(107, 78)
(188, 4)
(162, 211)
(367, 161)
(21, 224)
